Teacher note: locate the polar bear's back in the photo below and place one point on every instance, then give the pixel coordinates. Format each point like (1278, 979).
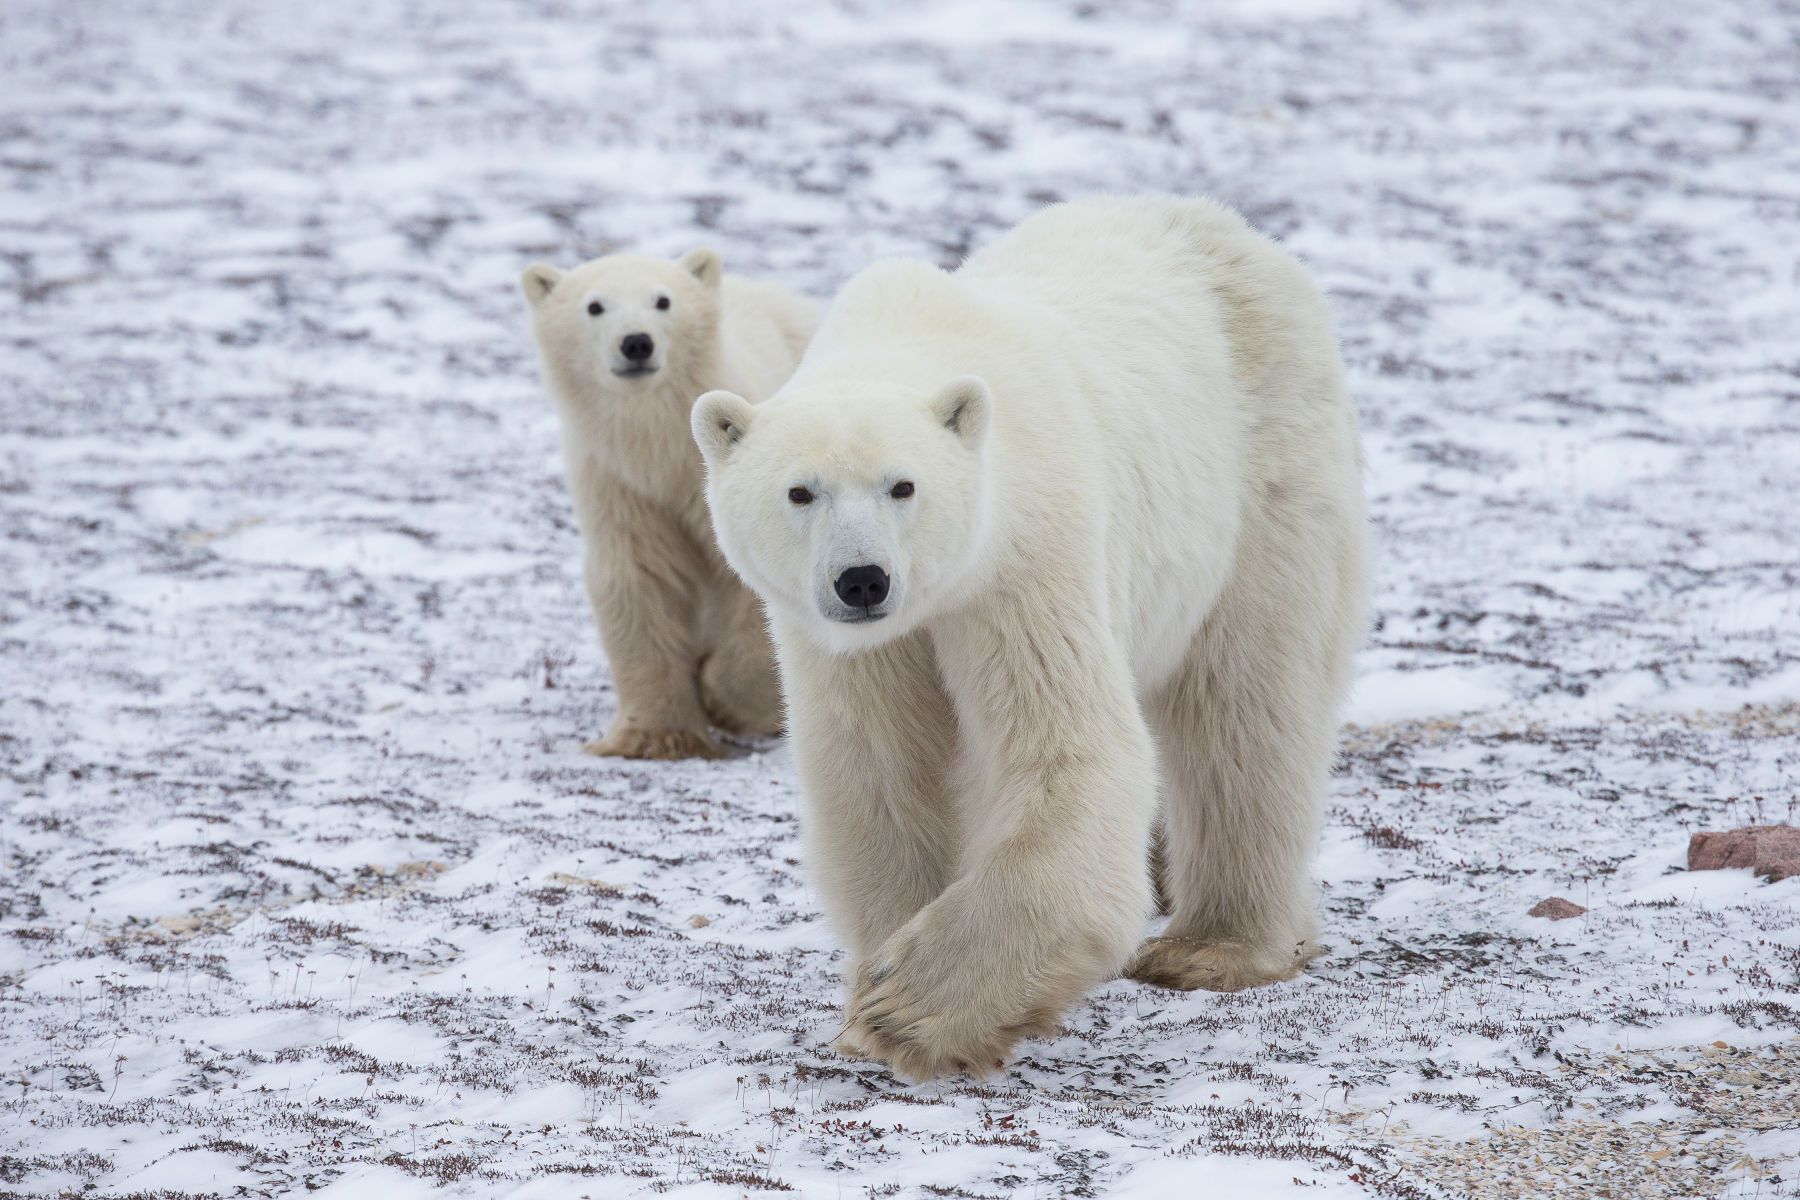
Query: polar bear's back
(1107, 232)
(1206, 383)
(1096, 259)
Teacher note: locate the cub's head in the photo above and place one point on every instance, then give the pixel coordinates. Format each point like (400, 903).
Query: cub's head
(853, 514)
(625, 319)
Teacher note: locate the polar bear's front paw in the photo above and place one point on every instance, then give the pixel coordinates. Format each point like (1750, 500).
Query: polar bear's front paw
(926, 1009)
(633, 742)
(1189, 964)
(919, 1042)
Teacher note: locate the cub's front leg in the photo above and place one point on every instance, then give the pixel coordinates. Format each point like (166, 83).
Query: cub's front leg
(643, 574)
(1053, 889)
(738, 685)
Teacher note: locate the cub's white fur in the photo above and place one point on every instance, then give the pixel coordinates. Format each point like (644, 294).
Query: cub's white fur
(685, 638)
(1131, 565)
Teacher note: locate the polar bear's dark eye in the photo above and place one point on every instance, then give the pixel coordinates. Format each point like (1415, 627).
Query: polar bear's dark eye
(902, 490)
(800, 495)
(595, 308)
(662, 302)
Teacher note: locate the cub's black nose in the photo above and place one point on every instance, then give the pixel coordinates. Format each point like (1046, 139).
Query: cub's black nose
(862, 587)
(637, 347)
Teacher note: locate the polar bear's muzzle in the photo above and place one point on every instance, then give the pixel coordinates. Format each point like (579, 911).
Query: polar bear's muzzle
(858, 568)
(861, 593)
(636, 356)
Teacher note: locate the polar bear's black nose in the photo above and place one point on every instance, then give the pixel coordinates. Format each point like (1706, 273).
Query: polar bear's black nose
(637, 346)
(862, 587)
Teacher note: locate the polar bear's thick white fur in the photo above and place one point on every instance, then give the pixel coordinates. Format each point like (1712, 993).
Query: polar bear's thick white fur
(1076, 526)
(627, 342)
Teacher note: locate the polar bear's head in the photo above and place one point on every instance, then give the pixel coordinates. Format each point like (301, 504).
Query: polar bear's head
(854, 513)
(626, 319)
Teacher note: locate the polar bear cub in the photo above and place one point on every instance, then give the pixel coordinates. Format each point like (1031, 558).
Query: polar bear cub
(1075, 528)
(627, 342)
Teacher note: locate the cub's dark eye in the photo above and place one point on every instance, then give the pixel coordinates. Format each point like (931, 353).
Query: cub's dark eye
(595, 308)
(800, 495)
(662, 302)
(902, 490)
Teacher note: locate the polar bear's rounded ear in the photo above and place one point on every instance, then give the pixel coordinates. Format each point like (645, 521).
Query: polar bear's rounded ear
(705, 265)
(720, 421)
(538, 281)
(964, 407)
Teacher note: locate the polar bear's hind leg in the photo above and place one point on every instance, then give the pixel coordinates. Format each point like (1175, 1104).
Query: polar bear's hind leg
(1247, 730)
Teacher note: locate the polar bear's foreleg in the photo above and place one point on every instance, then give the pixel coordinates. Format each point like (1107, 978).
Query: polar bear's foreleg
(874, 737)
(1057, 795)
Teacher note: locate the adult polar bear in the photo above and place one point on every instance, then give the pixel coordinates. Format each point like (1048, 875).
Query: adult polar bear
(1088, 507)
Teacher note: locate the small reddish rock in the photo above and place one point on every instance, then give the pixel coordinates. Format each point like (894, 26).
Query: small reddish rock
(1556, 908)
(1772, 851)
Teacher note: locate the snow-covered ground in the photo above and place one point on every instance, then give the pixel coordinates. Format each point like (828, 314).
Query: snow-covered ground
(303, 881)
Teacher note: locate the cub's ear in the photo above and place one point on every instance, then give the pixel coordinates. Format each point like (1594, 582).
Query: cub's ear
(964, 407)
(538, 281)
(720, 421)
(704, 264)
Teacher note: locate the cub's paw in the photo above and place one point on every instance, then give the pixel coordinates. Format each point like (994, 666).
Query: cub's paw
(1187, 964)
(655, 743)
